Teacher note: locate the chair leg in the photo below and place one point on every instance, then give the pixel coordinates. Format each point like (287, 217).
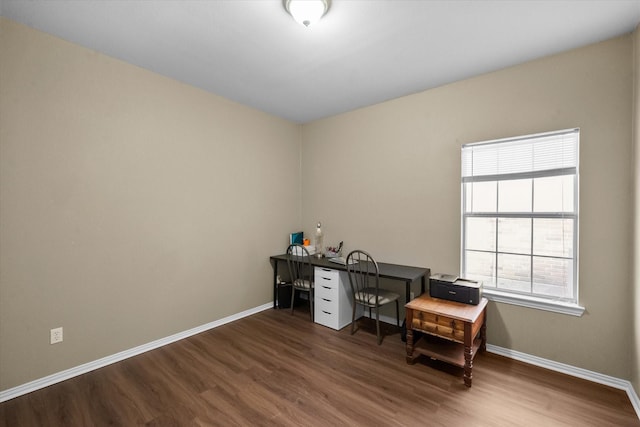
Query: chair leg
(353, 318)
(397, 314)
(311, 305)
(293, 295)
(378, 325)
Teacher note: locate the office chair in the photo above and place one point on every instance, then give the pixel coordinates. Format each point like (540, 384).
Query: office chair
(301, 273)
(364, 277)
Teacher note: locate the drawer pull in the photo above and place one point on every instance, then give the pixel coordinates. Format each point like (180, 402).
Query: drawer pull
(327, 300)
(452, 292)
(326, 269)
(327, 287)
(325, 312)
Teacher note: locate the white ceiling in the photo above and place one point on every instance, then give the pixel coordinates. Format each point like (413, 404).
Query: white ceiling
(360, 53)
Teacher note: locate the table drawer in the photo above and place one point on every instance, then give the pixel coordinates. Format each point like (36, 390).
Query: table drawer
(442, 326)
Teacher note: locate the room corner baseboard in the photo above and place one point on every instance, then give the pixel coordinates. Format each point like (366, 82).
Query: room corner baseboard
(633, 397)
(96, 364)
(571, 370)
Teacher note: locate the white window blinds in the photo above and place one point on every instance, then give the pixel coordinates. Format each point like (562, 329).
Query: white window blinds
(526, 156)
(520, 216)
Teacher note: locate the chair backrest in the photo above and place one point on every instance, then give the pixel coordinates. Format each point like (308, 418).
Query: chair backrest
(363, 274)
(299, 263)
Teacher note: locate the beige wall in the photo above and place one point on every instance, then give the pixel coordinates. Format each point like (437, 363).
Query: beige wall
(130, 203)
(399, 167)
(635, 355)
(132, 207)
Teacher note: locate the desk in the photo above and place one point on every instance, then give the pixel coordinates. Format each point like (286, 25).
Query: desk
(404, 273)
(456, 331)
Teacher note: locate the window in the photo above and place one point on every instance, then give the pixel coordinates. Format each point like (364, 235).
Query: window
(520, 219)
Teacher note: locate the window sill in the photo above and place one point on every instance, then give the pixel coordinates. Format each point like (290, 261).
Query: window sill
(532, 302)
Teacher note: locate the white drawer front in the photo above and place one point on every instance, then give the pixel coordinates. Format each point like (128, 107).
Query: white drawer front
(326, 289)
(327, 274)
(327, 319)
(326, 304)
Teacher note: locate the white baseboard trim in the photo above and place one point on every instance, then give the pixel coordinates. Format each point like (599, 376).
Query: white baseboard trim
(96, 364)
(571, 370)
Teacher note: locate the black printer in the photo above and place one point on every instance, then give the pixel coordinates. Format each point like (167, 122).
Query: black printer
(454, 288)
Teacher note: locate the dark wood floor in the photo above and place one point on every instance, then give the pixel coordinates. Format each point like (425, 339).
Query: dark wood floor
(275, 369)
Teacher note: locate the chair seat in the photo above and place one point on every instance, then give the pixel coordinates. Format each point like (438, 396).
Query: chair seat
(368, 297)
(303, 284)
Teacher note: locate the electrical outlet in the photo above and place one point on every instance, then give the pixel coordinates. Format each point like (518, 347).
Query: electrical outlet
(56, 335)
(412, 295)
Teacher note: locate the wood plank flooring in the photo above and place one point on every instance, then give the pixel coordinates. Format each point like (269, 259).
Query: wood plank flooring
(274, 369)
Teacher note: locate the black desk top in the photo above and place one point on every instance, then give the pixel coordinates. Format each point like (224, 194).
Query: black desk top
(388, 271)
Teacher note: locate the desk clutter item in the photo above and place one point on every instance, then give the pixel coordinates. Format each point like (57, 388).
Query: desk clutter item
(296, 238)
(460, 290)
(342, 260)
(297, 251)
(445, 277)
(333, 252)
(318, 241)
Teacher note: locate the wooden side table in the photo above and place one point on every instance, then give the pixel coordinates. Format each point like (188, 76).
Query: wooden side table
(456, 331)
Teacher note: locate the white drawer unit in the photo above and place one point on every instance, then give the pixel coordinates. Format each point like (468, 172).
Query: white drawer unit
(332, 298)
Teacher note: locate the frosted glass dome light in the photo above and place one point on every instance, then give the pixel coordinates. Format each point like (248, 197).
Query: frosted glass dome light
(307, 12)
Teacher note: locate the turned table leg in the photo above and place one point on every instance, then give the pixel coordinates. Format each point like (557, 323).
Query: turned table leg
(483, 333)
(408, 322)
(468, 354)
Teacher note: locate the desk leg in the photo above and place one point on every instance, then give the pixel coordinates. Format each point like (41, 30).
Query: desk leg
(275, 282)
(423, 282)
(407, 291)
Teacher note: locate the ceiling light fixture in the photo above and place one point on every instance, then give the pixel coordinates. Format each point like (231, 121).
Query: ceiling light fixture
(307, 12)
